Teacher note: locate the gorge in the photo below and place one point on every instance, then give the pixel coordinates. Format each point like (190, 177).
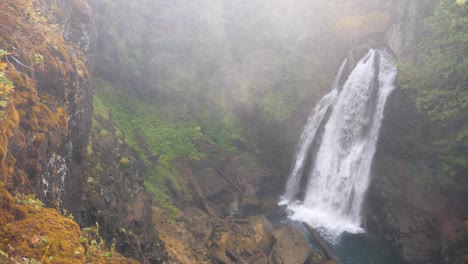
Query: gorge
(165, 131)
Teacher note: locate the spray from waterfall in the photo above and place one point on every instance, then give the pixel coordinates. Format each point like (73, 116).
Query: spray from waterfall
(340, 175)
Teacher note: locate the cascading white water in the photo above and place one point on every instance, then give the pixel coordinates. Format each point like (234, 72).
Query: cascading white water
(341, 170)
(307, 136)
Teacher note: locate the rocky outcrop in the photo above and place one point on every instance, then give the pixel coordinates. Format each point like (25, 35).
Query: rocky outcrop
(31, 233)
(45, 122)
(47, 116)
(114, 197)
(192, 236)
(423, 222)
(291, 246)
(236, 187)
(407, 19)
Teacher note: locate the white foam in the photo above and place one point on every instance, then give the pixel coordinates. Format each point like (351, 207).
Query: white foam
(329, 225)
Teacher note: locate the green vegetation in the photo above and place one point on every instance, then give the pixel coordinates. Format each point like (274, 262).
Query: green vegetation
(216, 57)
(438, 83)
(278, 106)
(162, 137)
(6, 86)
(205, 79)
(147, 129)
(29, 199)
(94, 242)
(157, 185)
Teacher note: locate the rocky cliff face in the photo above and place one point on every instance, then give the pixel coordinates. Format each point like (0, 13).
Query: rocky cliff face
(423, 221)
(114, 196)
(45, 120)
(416, 218)
(406, 26)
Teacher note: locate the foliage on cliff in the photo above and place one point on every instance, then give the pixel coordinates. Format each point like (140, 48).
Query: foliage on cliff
(114, 174)
(438, 82)
(162, 137)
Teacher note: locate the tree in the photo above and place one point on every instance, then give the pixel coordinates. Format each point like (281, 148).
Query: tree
(438, 83)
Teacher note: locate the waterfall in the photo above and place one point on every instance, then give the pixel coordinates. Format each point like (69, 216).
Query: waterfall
(307, 137)
(340, 175)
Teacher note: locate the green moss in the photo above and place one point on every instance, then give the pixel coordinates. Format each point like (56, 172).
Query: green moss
(89, 149)
(37, 233)
(99, 108)
(119, 136)
(163, 200)
(104, 133)
(95, 125)
(142, 121)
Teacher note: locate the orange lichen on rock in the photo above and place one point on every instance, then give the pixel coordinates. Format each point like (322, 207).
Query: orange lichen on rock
(28, 125)
(44, 72)
(8, 124)
(36, 233)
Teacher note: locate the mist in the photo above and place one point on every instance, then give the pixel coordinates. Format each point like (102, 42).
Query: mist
(236, 50)
(234, 131)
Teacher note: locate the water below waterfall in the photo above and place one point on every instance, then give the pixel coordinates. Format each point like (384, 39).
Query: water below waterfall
(338, 143)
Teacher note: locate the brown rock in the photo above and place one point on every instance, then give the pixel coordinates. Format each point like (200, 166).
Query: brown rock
(291, 246)
(251, 200)
(262, 232)
(211, 183)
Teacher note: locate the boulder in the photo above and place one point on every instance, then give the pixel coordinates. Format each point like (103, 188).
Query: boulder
(200, 224)
(291, 246)
(250, 201)
(262, 232)
(211, 183)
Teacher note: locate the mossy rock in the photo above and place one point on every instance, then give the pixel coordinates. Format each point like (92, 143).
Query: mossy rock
(124, 163)
(89, 149)
(38, 233)
(104, 133)
(43, 235)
